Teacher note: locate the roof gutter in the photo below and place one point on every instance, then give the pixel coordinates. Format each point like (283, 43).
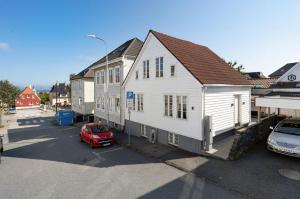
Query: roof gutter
(211, 85)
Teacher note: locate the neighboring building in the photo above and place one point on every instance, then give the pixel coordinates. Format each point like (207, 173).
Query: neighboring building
(60, 95)
(284, 93)
(28, 99)
(120, 61)
(82, 87)
(176, 84)
(254, 75)
(278, 73)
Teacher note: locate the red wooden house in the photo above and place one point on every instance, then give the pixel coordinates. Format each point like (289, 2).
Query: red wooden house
(28, 99)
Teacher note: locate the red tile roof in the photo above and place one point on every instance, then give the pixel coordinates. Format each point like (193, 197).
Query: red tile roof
(204, 64)
(262, 82)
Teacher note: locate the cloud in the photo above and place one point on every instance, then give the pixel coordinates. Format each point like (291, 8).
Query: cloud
(4, 46)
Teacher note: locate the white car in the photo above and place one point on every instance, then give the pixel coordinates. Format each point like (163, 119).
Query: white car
(285, 138)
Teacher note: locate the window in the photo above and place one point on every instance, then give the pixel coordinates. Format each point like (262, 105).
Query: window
(140, 102)
(80, 101)
(110, 73)
(159, 62)
(133, 102)
(102, 76)
(146, 69)
(143, 130)
(32, 97)
(117, 75)
(98, 103)
(182, 107)
(117, 104)
(136, 74)
(30, 103)
(168, 105)
(172, 68)
(102, 103)
(173, 139)
(97, 78)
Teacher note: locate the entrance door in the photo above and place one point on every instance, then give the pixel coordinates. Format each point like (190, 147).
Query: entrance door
(237, 110)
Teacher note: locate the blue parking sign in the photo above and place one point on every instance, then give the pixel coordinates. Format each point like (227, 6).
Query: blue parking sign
(129, 95)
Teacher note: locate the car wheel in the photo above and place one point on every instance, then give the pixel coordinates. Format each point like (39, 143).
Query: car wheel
(91, 144)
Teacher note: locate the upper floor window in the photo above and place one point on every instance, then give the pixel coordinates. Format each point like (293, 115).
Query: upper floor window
(102, 77)
(182, 107)
(136, 74)
(102, 103)
(159, 62)
(117, 74)
(111, 76)
(97, 78)
(140, 102)
(168, 105)
(98, 103)
(172, 68)
(146, 69)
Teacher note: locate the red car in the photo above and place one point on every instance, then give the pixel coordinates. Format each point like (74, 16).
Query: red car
(96, 135)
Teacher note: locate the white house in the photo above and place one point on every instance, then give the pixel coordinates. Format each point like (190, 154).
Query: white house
(177, 83)
(284, 94)
(60, 95)
(82, 93)
(110, 106)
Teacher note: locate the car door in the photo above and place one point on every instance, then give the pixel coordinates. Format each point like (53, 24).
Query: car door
(83, 134)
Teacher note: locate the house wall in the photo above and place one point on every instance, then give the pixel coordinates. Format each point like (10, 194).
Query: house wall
(27, 100)
(84, 89)
(219, 103)
(154, 89)
(295, 70)
(114, 91)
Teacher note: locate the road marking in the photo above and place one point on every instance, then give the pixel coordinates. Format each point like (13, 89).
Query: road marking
(107, 151)
(66, 129)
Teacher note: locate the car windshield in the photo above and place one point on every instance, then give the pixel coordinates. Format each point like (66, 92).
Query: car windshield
(288, 128)
(99, 129)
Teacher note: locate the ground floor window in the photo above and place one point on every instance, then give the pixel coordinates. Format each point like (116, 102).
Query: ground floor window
(143, 130)
(173, 139)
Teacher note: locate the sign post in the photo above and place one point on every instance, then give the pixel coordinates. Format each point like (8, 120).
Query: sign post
(129, 98)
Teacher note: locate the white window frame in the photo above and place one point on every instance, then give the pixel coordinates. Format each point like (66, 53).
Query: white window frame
(174, 71)
(173, 139)
(159, 67)
(117, 104)
(102, 77)
(168, 105)
(97, 79)
(140, 102)
(111, 76)
(102, 103)
(144, 131)
(146, 74)
(117, 75)
(180, 107)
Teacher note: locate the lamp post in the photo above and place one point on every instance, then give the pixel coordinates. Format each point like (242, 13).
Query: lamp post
(107, 75)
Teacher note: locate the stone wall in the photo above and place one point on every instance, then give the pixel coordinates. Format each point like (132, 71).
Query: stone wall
(246, 138)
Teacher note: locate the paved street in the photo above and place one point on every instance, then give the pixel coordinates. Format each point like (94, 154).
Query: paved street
(42, 160)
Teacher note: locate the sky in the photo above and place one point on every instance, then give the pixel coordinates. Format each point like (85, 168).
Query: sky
(42, 41)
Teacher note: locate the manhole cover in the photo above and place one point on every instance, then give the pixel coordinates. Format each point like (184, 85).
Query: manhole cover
(290, 174)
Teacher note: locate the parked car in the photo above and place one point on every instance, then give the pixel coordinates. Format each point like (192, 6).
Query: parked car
(96, 135)
(285, 138)
(12, 110)
(1, 146)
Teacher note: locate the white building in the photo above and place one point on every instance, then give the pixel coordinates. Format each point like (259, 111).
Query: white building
(176, 84)
(82, 91)
(60, 95)
(120, 61)
(284, 94)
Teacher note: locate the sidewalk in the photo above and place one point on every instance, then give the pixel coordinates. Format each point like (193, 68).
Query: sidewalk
(168, 154)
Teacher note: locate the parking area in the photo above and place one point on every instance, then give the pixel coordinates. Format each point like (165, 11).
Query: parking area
(42, 160)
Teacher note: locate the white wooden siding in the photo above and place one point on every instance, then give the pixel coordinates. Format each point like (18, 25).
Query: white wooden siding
(219, 103)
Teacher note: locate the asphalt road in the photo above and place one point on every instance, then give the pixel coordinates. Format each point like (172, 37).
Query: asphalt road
(43, 161)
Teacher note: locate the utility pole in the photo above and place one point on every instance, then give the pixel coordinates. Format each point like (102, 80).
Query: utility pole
(56, 97)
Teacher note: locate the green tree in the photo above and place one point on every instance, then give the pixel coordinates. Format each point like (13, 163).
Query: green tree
(44, 97)
(8, 95)
(238, 67)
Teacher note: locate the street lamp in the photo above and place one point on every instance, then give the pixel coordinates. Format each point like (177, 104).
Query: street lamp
(106, 57)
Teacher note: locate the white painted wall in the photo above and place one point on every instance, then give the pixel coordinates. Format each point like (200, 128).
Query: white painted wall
(154, 90)
(82, 88)
(295, 70)
(219, 103)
